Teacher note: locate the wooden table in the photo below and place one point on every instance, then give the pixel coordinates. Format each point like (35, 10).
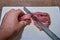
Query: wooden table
(28, 3)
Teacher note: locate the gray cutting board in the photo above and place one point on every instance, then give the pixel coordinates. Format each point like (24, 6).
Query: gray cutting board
(31, 32)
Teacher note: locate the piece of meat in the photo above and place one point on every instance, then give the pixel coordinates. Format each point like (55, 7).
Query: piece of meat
(43, 17)
(26, 17)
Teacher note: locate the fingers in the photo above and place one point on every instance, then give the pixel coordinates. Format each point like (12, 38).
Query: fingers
(19, 12)
(15, 12)
(12, 15)
(21, 25)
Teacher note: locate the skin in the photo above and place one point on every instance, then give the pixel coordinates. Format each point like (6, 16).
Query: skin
(11, 24)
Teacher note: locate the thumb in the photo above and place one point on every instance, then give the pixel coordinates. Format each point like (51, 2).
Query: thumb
(22, 24)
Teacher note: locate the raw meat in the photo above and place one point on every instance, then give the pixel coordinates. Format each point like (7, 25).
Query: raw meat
(43, 17)
(26, 17)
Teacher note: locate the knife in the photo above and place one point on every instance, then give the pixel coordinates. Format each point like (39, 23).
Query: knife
(45, 29)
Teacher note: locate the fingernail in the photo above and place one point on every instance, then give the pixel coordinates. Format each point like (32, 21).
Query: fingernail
(25, 23)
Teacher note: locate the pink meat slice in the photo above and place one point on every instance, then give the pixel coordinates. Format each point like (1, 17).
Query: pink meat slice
(43, 17)
(26, 17)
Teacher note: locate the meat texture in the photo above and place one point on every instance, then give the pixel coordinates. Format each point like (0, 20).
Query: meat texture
(26, 17)
(42, 16)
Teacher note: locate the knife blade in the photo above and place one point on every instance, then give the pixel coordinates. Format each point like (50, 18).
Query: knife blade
(45, 29)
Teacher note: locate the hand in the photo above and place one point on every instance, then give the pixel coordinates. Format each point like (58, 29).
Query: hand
(11, 26)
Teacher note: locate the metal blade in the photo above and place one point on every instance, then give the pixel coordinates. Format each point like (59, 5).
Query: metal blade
(25, 9)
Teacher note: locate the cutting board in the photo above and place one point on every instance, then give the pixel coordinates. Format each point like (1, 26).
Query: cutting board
(31, 32)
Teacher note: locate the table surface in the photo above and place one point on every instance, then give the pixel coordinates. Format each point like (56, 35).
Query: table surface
(28, 3)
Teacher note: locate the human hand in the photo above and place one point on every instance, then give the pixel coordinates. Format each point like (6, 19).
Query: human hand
(11, 25)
